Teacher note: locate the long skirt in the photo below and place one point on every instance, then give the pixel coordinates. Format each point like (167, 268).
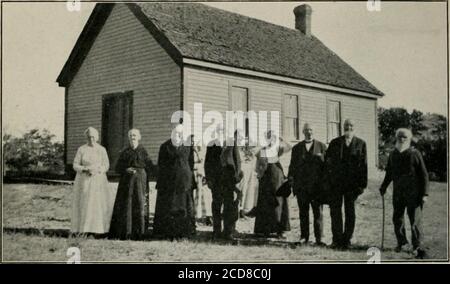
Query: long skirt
(202, 199)
(272, 212)
(248, 187)
(92, 204)
(174, 214)
(131, 209)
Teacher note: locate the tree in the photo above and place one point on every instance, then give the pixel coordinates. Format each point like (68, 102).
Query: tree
(34, 151)
(430, 137)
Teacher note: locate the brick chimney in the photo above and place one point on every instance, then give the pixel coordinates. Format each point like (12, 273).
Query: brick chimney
(303, 19)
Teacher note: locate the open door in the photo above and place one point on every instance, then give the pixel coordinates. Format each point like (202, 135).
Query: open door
(116, 122)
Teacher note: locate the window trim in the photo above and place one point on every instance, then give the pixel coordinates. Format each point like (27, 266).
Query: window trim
(242, 85)
(336, 100)
(283, 115)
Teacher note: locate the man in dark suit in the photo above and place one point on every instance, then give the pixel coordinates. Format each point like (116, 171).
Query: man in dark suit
(222, 173)
(213, 174)
(306, 171)
(346, 161)
(231, 175)
(408, 172)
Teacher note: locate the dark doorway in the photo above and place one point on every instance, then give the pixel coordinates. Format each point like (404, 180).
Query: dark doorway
(116, 121)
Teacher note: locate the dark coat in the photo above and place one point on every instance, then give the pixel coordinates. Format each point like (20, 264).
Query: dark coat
(348, 178)
(175, 167)
(231, 163)
(174, 214)
(213, 166)
(409, 174)
(307, 169)
(136, 158)
(130, 216)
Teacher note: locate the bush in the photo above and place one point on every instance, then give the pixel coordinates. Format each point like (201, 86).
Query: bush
(35, 151)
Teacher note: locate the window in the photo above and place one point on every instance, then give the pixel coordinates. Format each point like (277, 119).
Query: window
(239, 99)
(291, 129)
(333, 119)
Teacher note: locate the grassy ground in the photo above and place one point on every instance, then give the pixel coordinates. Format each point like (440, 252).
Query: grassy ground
(36, 219)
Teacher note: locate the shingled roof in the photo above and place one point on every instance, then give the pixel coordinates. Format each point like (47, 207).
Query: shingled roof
(201, 32)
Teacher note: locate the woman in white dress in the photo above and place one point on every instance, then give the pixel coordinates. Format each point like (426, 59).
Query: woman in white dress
(92, 197)
(249, 183)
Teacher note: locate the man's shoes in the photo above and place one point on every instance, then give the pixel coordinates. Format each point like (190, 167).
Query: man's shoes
(320, 243)
(346, 245)
(228, 237)
(335, 245)
(421, 253)
(216, 236)
(401, 247)
(303, 241)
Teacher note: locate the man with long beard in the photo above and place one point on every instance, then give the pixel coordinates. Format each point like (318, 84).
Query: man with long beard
(408, 172)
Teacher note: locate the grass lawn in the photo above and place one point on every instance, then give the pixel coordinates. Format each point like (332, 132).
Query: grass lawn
(36, 219)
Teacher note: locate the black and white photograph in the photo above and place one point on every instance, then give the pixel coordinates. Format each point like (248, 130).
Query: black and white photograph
(224, 132)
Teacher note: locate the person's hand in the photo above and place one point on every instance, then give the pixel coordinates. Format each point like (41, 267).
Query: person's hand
(87, 171)
(239, 176)
(424, 199)
(239, 195)
(131, 170)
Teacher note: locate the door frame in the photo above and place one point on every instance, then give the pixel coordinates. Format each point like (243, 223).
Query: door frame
(106, 97)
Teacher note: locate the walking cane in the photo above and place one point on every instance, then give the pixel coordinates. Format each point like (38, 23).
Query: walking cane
(382, 224)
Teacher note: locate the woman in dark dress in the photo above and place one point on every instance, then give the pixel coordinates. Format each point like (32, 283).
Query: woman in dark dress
(272, 212)
(174, 211)
(131, 208)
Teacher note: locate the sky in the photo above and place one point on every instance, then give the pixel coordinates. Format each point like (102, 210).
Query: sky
(400, 49)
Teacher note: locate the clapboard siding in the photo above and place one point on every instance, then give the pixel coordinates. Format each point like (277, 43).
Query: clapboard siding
(124, 57)
(212, 89)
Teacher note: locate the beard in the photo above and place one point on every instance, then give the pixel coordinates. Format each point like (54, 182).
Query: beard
(176, 140)
(348, 134)
(134, 143)
(402, 146)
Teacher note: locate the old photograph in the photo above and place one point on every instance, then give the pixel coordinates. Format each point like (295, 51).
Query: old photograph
(236, 132)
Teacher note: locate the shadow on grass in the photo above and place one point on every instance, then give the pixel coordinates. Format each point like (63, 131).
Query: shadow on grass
(63, 233)
(240, 239)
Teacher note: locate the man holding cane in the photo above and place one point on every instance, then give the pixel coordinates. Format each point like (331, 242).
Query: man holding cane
(410, 177)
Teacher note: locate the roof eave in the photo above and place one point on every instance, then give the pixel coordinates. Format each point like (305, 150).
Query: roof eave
(84, 43)
(255, 73)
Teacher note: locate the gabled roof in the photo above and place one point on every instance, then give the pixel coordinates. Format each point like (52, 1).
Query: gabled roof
(197, 31)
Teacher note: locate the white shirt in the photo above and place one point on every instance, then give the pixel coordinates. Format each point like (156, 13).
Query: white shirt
(308, 145)
(348, 141)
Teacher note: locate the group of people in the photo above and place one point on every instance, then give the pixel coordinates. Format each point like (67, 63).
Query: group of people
(335, 175)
